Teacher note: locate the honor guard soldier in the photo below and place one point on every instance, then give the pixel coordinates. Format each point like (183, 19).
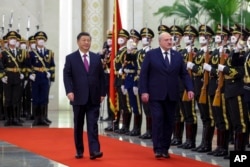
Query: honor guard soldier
(177, 34)
(13, 60)
(105, 56)
(130, 70)
(26, 98)
(247, 85)
(216, 91)
(233, 70)
(189, 112)
(2, 117)
(201, 86)
(32, 43)
(42, 68)
(147, 36)
(122, 96)
(163, 28)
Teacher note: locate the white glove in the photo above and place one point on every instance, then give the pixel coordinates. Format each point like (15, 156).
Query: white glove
(207, 67)
(221, 67)
(130, 44)
(48, 74)
(189, 48)
(21, 76)
(190, 65)
(236, 50)
(147, 49)
(124, 91)
(204, 48)
(5, 79)
(221, 49)
(126, 70)
(174, 48)
(135, 90)
(25, 83)
(240, 44)
(120, 71)
(32, 77)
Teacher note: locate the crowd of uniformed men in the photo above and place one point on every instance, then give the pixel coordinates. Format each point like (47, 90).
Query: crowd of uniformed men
(219, 66)
(27, 69)
(218, 62)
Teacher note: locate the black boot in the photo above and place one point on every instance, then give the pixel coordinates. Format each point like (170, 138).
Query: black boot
(125, 123)
(137, 126)
(178, 133)
(113, 124)
(148, 134)
(202, 139)
(191, 132)
(16, 116)
(8, 116)
(209, 133)
(222, 143)
(46, 115)
(239, 143)
(36, 114)
(42, 119)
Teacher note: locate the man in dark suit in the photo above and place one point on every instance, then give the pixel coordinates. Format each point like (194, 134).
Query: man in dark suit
(159, 86)
(84, 83)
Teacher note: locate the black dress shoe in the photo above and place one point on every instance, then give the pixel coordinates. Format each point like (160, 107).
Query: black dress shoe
(146, 135)
(78, 156)
(158, 155)
(109, 128)
(95, 155)
(176, 142)
(165, 155)
(48, 121)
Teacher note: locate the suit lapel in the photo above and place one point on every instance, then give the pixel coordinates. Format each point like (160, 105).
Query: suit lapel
(80, 62)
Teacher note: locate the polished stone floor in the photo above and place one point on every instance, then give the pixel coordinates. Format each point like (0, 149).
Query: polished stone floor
(12, 156)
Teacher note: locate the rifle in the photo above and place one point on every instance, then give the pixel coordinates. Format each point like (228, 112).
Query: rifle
(190, 59)
(217, 97)
(203, 95)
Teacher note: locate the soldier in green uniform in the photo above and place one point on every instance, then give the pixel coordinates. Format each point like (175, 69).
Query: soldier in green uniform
(13, 60)
(233, 70)
(189, 112)
(200, 79)
(247, 85)
(122, 96)
(219, 109)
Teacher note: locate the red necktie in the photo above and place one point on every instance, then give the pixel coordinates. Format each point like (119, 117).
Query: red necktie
(85, 62)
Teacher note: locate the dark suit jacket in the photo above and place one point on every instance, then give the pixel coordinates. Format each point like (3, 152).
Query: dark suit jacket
(161, 81)
(84, 84)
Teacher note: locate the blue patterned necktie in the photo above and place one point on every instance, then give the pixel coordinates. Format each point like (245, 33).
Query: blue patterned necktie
(166, 58)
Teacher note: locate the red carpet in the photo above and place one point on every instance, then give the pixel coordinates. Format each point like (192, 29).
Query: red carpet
(57, 144)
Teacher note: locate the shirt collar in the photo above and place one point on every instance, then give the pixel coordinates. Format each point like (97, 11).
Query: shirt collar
(163, 51)
(81, 53)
